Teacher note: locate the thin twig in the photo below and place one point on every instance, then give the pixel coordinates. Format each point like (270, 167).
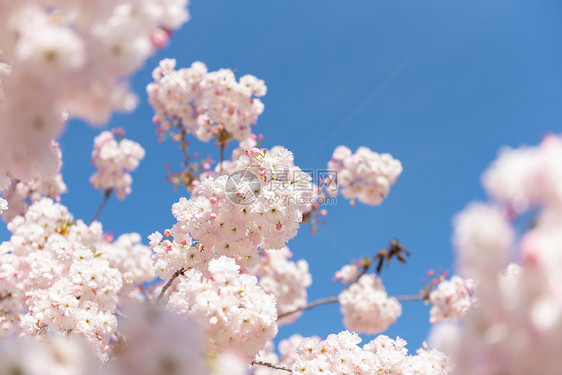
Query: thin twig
(321, 302)
(270, 365)
(329, 300)
(106, 196)
(409, 298)
(168, 285)
(222, 157)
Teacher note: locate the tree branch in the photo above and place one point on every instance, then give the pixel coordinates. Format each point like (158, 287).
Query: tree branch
(329, 300)
(265, 364)
(168, 285)
(106, 196)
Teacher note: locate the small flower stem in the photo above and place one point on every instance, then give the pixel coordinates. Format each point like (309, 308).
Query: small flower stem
(106, 196)
(270, 365)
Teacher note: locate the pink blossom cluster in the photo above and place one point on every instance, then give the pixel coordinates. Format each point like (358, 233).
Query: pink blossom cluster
(284, 279)
(364, 175)
(260, 205)
(175, 253)
(114, 159)
(340, 354)
(57, 275)
(236, 313)
(517, 328)
(527, 176)
(366, 306)
(72, 57)
(452, 299)
(199, 101)
(347, 274)
(155, 341)
(60, 355)
(20, 194)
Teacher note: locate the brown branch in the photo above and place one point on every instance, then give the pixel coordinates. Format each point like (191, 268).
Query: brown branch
(222, 157)
(168, 285)
(265, 364)
(106, 196)
(329, 300)
(321, 302)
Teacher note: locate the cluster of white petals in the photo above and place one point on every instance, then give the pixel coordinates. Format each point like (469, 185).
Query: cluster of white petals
(364, 175)
(483, 238)
(347, 274)
(366, 307)
(340, 354)
(517, 327)
(198, 101)
(61, 355)
(260, 205)
(527, 176)
(114, 159)
(57, 275)
(285, 279)
(20, 194)
(157, 342)
(452, 299)
(236, 313)
(73, 57)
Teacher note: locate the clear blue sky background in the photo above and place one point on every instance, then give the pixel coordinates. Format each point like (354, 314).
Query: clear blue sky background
(480, 74)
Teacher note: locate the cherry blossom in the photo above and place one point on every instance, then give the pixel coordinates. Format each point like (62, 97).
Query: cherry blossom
(204, 103)
(364, 175)
(114, 160)
(236, 313)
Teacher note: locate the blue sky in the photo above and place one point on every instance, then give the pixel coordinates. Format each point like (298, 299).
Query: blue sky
(468, 78)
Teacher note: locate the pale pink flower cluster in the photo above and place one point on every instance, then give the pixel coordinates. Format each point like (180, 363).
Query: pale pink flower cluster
(452, 299)
(364, 175)
(20, 194)
(60, 356)
(114, 160)
(340, 354)
(175, 253)
(74, 57)
(483, 238)
(261, 205)
(366, 307)
(157, 342)
(517, 327)
(132, 259)
(347, 274)
(199, 101)
(285, 279)
(527, 176)
(54, 277)
(236, 313)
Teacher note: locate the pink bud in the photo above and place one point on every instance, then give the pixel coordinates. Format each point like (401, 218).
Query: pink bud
(159, 38)
(213, 216)
(260, 137)
(213, 200)
(278, 226)
(167, 233)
